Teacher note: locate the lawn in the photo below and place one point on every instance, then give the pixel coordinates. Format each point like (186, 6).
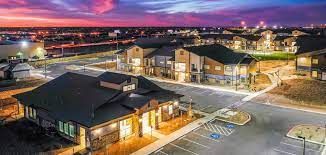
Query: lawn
(303, 91)
(274, 56)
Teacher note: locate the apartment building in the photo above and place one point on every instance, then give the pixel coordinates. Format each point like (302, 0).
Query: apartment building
(213, 64)
(311, 56)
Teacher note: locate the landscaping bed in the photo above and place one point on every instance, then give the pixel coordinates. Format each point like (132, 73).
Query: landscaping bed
(107, 65)
(312, 133)
(234, 116)
(262, 81)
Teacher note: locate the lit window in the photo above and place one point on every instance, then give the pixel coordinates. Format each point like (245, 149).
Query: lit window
(66, 129)
(314, 74)
(71, 130)
(129, 87)
(60, 126)
(181, 52)
(315, 61)
(170, 109)
(206, 66)
(218, 68)
(168, 62)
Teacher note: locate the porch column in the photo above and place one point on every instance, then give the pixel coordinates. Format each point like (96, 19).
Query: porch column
(140, 125)
(156, 119)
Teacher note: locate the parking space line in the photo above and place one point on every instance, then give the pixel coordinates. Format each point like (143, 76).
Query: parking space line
(160, 150)
(203, 92)
(205, 136)
(183, 148)
(299, 146)
(196, 143)
(205, 107)
(284, 152)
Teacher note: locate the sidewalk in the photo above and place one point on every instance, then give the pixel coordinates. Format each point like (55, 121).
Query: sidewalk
(175, 135)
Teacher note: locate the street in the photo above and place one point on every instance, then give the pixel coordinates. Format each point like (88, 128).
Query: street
(263, 135)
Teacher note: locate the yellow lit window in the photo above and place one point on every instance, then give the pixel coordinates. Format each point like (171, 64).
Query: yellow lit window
(315, 61)
(206, 66)
(314, 74)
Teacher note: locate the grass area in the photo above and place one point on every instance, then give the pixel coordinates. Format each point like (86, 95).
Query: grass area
(312, 133)
(274, 56)
(303, 91)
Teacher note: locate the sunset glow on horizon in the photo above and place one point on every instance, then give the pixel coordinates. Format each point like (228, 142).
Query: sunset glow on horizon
(26, 13)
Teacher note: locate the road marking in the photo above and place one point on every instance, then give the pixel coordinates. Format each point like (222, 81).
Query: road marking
(283, 152)
(183, 149)
(206, 107)
(299, 146)
(182, 137)
(196, 143)
(205, 137)
(203, 92)
(160, 150)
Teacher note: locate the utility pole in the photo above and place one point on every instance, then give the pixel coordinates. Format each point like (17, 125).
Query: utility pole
(45, 74)
(304, 144)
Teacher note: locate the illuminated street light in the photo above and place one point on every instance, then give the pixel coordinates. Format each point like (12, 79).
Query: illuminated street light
(262, 22)
(257, 27)
(24, 43)
(275, 27)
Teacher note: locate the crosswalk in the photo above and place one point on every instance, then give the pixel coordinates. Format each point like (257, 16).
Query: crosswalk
(218, 129)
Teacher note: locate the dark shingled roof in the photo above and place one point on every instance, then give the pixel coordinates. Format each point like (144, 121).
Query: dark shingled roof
(114, 77)
(163, 51)
(250, 37)
(217, 52)
(71, 96)
(281, 38)
(80, 98)
(310, 43)
(218, 36)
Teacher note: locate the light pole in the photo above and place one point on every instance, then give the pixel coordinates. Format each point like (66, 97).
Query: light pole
(45, 65)
(304, 143)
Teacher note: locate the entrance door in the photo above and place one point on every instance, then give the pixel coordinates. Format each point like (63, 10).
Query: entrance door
(82, 137)
(323, 76)
(182, 77)
(146, 122)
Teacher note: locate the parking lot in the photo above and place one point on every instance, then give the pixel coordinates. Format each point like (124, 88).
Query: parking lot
(289, 146)
(199, 141)
(205, 100)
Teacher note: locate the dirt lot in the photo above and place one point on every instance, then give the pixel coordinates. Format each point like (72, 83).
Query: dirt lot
(262, 81)
(275, 64)
(303, 91)
(108, 65)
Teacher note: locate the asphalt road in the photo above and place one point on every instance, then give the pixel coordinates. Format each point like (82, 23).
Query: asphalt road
(263, 135)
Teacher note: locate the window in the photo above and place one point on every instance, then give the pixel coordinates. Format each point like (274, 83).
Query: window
(206, 66)
(181, 52)
(31, 113)
(168, 62)
(161, 62)
(71, 130)
(129, 87)
(60, 126)
(137, 49)
(66, 129)
(315, 61)
(314, 74)
(170, 109)
(218, 68)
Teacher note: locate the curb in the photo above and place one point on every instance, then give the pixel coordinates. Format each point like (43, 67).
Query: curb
(299, 109)
(293, 137)
(241, 124)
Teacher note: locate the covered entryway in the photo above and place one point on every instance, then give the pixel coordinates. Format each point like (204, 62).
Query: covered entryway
(181, 77)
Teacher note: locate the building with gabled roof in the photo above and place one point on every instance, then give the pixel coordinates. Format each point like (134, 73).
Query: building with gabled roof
(97, 111)
(214, 64)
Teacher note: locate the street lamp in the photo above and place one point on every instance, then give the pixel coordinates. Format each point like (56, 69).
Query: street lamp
(304, 143)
